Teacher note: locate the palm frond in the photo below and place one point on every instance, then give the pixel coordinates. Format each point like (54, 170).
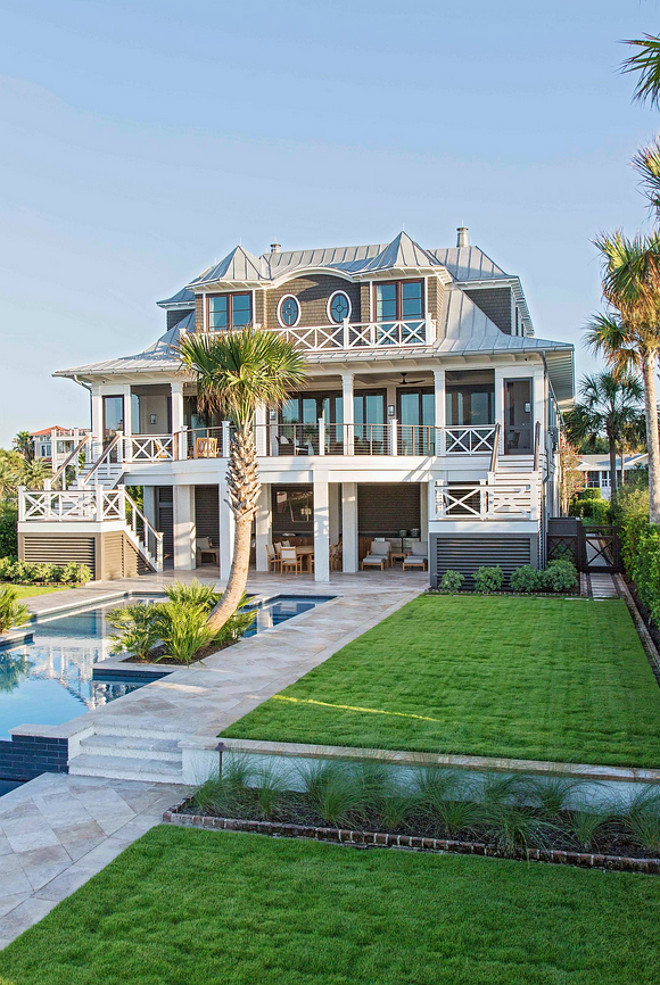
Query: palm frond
(646, 163)
(646, 62)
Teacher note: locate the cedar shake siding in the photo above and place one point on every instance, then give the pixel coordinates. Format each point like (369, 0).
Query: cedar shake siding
(495, 302)
(313, 293)
(434, 292)
(199, 312)
(365, 306)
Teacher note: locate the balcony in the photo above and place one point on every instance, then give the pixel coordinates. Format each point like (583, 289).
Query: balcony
(361, 335)
(279, 440)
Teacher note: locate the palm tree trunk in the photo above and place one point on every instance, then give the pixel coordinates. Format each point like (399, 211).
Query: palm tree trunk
(652, 436)
(612, 441)
(243, 486)
(622, 453)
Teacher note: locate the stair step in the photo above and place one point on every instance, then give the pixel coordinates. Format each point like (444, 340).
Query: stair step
(120, 768)
(132, 747)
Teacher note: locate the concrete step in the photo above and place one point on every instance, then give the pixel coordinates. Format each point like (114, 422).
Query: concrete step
(155, 770)
(132, 747)
(127, 727)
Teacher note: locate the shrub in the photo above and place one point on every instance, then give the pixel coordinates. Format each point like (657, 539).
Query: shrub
(196, 593)
(73, 573)
(12, 612)
(527, 579)
(452, 581)
(184, 630)
(135, 629)
(7, 568)
(585, 494)
(601, 511)
(8, 530)
(640, 546)
(642, 819)
(47, 573)
(488, 579)
(560, 576)
(333, 793)
(586, 823)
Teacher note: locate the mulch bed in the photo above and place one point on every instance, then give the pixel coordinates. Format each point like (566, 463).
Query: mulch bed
(294, 818)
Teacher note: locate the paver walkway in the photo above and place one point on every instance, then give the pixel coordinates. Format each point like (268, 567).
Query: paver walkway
(57, 831)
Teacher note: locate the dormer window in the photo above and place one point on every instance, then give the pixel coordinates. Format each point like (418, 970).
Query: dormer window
(400, 300)
(229, 311)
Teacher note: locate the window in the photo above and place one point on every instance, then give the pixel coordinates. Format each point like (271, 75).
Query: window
(400, 300)
(339, 307)
(229, 311)
(288, 311)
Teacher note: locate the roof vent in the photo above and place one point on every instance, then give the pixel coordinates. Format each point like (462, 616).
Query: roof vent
(275, 247)
(462, 236)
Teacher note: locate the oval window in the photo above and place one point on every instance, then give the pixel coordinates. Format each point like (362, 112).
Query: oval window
(289, 312)
(339, 307)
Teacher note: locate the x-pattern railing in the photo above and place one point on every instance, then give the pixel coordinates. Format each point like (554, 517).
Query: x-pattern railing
(149, 448)
(58, 504)
(359, 335)
(484, 500)
(469, 440)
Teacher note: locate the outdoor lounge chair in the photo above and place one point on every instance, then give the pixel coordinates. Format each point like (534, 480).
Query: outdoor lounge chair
(419, 559)
(378, 556)
(204, 545)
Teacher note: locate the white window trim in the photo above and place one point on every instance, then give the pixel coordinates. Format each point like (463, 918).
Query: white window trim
(329, 307)
(284, 298)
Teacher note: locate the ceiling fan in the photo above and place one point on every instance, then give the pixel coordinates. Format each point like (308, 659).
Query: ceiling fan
(406, 382)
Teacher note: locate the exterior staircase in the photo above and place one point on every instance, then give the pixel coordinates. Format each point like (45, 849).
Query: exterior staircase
(141, 755)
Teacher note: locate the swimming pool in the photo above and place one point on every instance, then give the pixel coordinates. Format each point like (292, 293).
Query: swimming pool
(50, 680)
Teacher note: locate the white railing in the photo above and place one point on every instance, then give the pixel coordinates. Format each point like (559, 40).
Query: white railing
(93, 506)
(278, 439)
(362, 335)
(486, 500)
(149, 448)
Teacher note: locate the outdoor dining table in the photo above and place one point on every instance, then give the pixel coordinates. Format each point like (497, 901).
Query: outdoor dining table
(306, 552)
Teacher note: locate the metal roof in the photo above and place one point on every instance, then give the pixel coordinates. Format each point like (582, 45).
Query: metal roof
(467, 263)
(601, 463)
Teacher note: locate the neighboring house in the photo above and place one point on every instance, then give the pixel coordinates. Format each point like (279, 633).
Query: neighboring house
(56, 443)
(597, 469)
(430, 408)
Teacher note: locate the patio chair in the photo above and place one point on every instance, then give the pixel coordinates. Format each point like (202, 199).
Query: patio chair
(289, 559)
(274, 560)
(204, 545)
(418, 559)
(378, 556)
(206, 448)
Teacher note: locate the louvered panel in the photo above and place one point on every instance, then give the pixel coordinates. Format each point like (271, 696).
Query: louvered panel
(385, 509)
(207, 512)
(467, 553)
(59, 548)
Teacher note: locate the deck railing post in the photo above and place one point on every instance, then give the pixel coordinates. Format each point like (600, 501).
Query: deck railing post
(346, 334)
(321, 436)
(226, 439)
(21, 503)
(393, 436)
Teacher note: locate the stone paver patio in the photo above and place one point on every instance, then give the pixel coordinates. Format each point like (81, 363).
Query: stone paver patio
(57, 831)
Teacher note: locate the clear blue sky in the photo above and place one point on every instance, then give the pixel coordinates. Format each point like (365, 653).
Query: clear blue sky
(141, 140)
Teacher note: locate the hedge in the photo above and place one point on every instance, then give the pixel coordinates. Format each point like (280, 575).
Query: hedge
(640, 546)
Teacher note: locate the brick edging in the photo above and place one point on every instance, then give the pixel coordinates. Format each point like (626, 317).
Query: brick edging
(620, 863)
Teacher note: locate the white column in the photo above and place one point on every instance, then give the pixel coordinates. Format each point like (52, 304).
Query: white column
(334, 512)
(260, 439)
(424, 512)
(226, 532)
(263, 526)
(500, 373)
(177, 406)
(149, 509)
(97, 424)
(349, 523)
(349, 411)
(184, 528)
(440, 410)
(321, 527)
(128, 411)
(538, 403)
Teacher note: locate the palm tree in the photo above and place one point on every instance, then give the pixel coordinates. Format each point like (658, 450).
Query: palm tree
(236, 372)
(8, 478)
(24, 444)
(34, 473)
(609, 404)
(629, 336)
(645, 61)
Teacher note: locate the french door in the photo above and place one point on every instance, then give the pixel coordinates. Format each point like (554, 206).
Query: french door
(113, 420)
(518, 423)
(416, 421)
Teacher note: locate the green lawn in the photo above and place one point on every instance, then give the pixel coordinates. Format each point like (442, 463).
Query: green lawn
(551, 679)
(28, 591)
(208, 908)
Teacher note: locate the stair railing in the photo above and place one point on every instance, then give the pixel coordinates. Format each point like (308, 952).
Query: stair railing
(496, 447)
(61, 472)
(537, 445)
(104, 457)
(149, 537)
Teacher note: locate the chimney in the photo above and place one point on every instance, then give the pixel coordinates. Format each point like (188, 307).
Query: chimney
(275, 247)
(462, 236)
